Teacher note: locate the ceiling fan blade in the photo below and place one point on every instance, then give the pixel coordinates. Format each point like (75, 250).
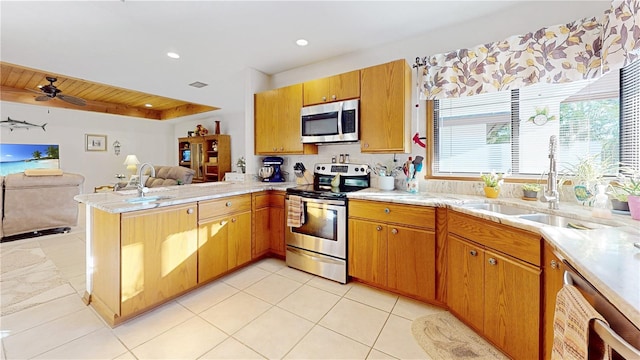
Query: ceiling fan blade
(72, 100)
(43, 98)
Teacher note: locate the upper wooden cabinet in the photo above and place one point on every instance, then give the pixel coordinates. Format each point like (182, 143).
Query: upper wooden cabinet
(277, 122)
(385, 108)
(333, 88)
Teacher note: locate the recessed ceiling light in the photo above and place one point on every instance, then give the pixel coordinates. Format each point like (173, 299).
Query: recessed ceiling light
(148, 105)
(173, 55)
(302, 42)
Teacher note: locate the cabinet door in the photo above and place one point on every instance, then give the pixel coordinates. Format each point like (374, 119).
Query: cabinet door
(412, 261)
(262, 236)
(385, 108)
(289, 128)
(277, 227)
(266, 124)
(316, 91)
(553, 273)
(239, 240)
(465, 274)
(159, 258)
(213, 253)
(368, 251)
(512, 305)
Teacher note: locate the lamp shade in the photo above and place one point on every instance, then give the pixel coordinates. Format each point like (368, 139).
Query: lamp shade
(132, 163)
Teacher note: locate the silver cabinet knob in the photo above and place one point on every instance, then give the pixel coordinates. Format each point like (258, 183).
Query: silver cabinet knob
(493, 261)
(190, 211)
(379, 228)
(473, 253)
(233, 220)
(554, 264)
(333, 97)
(324, 98)
(394, 231)
(282, 149)
(366, 145)
(228, 203)
(387, 210)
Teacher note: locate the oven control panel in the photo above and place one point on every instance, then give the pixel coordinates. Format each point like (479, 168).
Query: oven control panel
(342, 169)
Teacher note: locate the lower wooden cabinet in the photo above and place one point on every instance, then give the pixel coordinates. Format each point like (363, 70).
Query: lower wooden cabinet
(385, 251)
(495, 293)
(224, 242)
(268, 223)
(553, 272)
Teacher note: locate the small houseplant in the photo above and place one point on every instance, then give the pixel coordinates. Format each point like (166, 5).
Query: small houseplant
(625, 191)
(586, 174)
(242, 164)
(492, 183)
(530, 191)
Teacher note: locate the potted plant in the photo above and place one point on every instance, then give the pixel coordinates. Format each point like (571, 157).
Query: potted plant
(625, 191)
(586, 174)
(530, 191)
(492, 183)
(242, 164)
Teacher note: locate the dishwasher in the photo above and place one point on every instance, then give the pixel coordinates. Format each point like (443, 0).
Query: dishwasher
(621, 334)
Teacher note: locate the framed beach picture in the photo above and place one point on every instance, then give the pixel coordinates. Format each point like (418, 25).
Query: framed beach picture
(95, 142)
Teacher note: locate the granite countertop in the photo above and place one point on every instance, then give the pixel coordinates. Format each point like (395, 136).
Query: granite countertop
(116, 201)
(606, 257)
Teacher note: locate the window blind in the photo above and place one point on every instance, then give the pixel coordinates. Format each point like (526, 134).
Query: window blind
(630, 115)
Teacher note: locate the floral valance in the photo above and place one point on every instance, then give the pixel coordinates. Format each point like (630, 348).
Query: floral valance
(582, 49)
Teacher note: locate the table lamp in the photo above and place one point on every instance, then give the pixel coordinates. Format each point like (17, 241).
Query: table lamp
(132, 163)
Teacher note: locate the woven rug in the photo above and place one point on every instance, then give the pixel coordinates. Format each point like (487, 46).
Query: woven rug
(443, 336)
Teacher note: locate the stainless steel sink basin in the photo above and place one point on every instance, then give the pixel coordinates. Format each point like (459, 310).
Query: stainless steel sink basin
(498, 208)
(147, 199)
(561, 221)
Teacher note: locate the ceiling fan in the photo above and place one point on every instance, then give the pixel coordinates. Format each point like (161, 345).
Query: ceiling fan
(51, 91)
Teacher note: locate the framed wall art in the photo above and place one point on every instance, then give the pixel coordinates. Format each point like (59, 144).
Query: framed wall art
(95, 142)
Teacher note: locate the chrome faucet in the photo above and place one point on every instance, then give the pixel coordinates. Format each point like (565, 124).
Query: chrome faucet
(551, 194)
(141, 188)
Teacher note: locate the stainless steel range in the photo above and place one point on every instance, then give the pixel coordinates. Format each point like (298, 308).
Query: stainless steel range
(319, 244)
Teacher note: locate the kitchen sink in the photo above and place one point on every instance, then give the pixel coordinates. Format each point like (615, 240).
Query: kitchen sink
(498, 208)
(561, 221)
(147, 199)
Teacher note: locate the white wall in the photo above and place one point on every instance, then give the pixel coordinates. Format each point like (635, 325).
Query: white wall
(147, 139)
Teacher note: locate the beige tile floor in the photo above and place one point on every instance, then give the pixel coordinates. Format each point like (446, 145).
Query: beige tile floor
(265, 310)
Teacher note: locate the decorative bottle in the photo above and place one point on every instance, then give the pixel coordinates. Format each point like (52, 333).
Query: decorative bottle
(600, 208)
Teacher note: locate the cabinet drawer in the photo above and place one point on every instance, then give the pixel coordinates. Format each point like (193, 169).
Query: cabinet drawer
(223, 206)
(419, 216)
(518, 243)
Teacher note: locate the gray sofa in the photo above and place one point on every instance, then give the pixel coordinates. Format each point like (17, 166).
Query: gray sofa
(35, 203)
(170, 175)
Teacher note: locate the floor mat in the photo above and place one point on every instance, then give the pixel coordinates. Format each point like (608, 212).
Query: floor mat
(443, 336)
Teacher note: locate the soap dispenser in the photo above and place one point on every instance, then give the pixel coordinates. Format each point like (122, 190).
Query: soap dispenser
(600, 208)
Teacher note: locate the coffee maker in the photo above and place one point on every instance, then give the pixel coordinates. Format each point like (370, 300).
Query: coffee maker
(275, 172)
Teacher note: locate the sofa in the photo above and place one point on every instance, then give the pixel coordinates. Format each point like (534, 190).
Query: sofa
(170, 175)
(38, 202)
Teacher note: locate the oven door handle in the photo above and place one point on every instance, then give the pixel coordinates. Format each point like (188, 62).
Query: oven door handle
(323, 201)
(314, 258)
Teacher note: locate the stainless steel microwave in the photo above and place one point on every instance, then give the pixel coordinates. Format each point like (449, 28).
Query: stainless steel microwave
(330, 123)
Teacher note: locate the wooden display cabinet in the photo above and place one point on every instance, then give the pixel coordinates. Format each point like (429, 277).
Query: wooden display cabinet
(209, 162)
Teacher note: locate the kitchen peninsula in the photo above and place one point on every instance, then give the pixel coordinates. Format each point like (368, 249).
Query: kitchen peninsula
(145, 253)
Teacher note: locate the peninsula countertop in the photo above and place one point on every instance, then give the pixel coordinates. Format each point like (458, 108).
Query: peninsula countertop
(606, 257)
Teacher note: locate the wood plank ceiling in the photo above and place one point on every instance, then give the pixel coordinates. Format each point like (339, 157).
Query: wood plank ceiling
(21, 84)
